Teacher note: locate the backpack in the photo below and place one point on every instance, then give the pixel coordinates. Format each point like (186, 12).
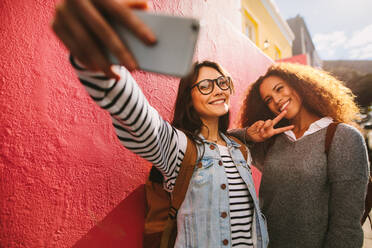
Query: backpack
(368, 201)
(161, 209)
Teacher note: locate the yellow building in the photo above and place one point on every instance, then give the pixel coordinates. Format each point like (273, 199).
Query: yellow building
(264, 25)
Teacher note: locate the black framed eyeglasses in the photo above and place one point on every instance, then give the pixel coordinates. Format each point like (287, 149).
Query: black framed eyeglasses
(206, 86)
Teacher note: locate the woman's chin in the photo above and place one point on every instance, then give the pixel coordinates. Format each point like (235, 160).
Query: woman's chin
(289, 116)
(219, 110)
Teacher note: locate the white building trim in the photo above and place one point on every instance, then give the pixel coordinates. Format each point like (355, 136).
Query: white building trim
(282, 24)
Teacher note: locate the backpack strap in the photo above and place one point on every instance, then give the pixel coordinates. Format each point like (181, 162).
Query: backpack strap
(242, 148)
(331, 129)
(368, 201)
(179, 192)
(184, 177)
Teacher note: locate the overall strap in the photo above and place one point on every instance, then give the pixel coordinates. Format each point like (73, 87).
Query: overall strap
(243, 148)
(331, 129)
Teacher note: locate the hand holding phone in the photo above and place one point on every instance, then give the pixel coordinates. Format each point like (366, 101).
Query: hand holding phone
(81, 26)
(172, 53)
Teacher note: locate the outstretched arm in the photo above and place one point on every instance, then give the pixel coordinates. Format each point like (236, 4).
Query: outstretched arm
(82, 28)
(138, 125)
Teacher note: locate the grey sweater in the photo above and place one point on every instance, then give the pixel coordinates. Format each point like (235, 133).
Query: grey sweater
(308, 202)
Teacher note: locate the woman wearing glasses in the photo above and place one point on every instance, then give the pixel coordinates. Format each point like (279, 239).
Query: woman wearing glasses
(220, 206)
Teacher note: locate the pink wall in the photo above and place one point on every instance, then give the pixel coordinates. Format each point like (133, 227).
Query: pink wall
(65, 181)
(297, 59)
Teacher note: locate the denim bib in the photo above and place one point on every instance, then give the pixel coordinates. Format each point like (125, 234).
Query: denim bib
(203, 219)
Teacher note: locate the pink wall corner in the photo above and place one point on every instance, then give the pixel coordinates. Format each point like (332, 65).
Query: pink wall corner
(65, 179)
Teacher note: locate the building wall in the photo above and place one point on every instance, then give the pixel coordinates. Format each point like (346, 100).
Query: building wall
(65, 180)
(267, 29)
(303, 43)
(295, 24)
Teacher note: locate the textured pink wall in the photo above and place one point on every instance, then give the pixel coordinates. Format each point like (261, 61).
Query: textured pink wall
(65, 181)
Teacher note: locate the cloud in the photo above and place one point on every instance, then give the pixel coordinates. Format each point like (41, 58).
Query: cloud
(360, 37)
(357, 45)
(329, 41)
(364, 52)
(328, 44)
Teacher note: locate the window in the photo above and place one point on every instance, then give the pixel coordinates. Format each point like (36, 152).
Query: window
(278, 53)
(250, 27)
(250, 30)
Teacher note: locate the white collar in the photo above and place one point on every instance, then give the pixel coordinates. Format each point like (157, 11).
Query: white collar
(314, 127)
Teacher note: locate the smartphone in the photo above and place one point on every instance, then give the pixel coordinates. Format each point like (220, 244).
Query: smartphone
(174, 50)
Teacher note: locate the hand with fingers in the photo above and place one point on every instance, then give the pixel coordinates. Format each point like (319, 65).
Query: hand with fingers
(263, 130)
(81, 26)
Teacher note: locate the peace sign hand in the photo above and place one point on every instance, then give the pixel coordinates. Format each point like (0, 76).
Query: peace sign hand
(263, 130)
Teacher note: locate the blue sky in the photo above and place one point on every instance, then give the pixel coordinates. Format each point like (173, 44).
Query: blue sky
(341, 29)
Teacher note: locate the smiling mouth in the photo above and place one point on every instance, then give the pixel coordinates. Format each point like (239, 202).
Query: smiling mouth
(284, 106)
(217, 102)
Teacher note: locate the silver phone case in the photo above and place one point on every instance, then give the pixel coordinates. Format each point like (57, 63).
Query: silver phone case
(174, 50)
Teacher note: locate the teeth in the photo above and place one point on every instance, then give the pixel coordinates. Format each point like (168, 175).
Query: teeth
(283, 107)
(218, 102)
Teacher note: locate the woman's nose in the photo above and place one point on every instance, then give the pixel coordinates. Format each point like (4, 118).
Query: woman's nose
(216, 89)
(277, 99)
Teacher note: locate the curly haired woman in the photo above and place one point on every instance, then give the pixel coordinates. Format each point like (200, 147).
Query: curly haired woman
(310, 199)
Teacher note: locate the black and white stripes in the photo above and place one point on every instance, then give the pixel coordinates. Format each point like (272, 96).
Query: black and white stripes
(138, 126)
(241, 203)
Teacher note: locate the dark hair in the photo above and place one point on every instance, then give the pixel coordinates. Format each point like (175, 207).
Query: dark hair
(321, 93)
(185, 117)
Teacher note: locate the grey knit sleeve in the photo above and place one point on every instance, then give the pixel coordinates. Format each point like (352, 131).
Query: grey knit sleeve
(348, 175)
(257, 150)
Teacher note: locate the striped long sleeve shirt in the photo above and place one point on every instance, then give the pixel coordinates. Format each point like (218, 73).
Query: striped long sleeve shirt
(138, 125)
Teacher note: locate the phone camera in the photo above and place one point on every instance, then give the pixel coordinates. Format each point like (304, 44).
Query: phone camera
(195, 26)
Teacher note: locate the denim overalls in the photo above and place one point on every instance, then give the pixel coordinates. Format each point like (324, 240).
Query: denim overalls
(202, 221)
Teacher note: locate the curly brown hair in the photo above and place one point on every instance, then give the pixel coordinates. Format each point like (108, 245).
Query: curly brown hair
(321, 93)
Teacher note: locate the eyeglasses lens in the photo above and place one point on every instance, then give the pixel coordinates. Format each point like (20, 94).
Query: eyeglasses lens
(206, 86)
(223, 83)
